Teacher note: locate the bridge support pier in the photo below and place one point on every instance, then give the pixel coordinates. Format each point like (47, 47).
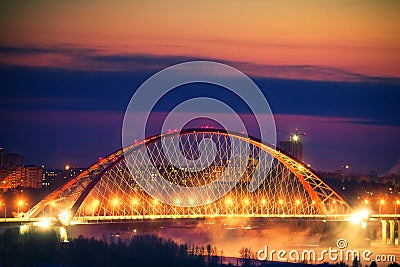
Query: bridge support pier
(391, 231)
(398, 232)
(384, 233)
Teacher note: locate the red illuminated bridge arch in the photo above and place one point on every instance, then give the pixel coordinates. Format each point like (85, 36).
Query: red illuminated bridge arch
(109, 190)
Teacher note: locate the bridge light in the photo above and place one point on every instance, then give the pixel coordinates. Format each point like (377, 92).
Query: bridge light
(300, 167)
(246, 201)
(155, 202)
(263, 201)
(297, 202)
(44, 223)
(363, 225)
(95, 203)
(280, 201)
(115, 202)
(313, 202)
(228, 201)
(191, 201)
(64, 217)
(20, 203)
(381, 203)
(396, 203)
(135, 201)
(366, 201)
(360, 216)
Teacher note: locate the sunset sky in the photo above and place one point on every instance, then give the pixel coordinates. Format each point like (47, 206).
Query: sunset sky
(331, 69)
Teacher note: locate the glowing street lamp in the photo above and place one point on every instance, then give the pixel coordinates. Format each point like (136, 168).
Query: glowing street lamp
(155, 203)
(246, 202)
(177, 203)
(20, 204)
(396, 203)
(366, 202)
(297, 204)
(381, 203)
(64, 217)
(228, 204)
(5, 210)
(95, 204)
(333, 206)
(263, 201)
(263, 204)
(115, 202)
(281, 202)
(134, 203)
(191, 201)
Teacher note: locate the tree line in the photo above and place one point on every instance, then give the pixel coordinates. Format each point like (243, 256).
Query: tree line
(45, 247)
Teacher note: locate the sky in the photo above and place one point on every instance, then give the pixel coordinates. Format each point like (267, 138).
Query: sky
(332, 69)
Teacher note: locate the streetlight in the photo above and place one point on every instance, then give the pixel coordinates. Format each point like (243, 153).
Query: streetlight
(263, 202)
(297, 203)
(177, 203)
(245, 203)
(95, 204)
(333, 206)
(281, 202)
(20, 204)
(115, 202)
(381, 203)
(397, 202)
(228, 203)
(134, 203)
(5, 211)
(155, 203)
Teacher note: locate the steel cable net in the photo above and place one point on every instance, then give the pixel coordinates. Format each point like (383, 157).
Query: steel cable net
(284, 187)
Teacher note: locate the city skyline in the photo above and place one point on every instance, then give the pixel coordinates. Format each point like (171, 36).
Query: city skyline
(332, 70)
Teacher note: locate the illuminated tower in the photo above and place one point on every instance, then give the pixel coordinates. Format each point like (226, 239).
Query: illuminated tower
(294, 147)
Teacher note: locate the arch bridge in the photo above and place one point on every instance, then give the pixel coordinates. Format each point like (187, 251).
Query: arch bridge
(265, 182)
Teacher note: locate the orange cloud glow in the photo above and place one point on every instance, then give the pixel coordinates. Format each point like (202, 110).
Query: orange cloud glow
(362, 37)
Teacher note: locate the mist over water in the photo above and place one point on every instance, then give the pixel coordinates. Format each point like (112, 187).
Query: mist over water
(229, 235)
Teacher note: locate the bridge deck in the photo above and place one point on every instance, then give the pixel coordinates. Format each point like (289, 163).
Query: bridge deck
(87, 219)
